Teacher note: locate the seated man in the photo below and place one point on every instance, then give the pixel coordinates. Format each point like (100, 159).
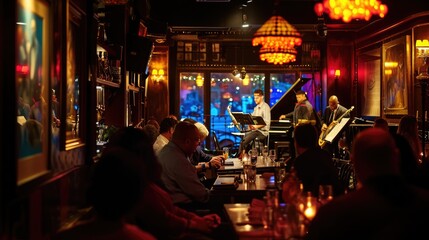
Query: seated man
(166, 130)
(312, 164)
(178, 174)
(384, 207)
(203, 161)
(115, 191)
(257, 131)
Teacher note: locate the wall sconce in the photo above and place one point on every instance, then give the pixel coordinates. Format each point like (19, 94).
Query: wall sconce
(199, 81)
(337, 73)
(157, 75)
(422, 47)
(388, 72)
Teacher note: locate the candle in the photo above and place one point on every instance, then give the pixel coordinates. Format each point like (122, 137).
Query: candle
(417, 114)
(310, 212)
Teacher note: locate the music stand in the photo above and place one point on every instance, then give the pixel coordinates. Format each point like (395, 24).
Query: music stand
(243, 119)
(258, 120)
(333, 134)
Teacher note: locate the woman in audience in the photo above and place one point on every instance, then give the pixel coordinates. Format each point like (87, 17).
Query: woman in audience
(156, 212)
(117, 181)
(408, 128)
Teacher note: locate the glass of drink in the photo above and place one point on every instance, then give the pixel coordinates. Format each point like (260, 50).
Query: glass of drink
(325, 193)
(265, 152)
(272, 154)
(249, 171)
(279, 173)
(225, 153)
(253, 153)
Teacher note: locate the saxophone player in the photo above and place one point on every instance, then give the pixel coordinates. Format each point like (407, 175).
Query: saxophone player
(330, 116)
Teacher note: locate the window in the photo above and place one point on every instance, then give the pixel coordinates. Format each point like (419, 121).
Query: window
(192, 95)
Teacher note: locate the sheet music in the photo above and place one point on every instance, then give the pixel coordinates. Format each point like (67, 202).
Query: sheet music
(336, 130)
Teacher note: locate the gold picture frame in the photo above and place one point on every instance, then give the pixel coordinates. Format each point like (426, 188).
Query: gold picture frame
(32, 86)
(396, 76)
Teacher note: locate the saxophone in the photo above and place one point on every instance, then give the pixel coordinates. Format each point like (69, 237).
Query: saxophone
(323, 134)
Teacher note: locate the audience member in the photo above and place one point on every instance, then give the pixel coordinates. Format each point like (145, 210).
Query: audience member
(381, 123)
(151, 131)
(173, 117)
(312, 164)
(152, 121)
(199, 157)
(384, 207)
(179, 175)
(156, 212)
(166, 130)
(408, 127)
(205, 164)
(115, 191)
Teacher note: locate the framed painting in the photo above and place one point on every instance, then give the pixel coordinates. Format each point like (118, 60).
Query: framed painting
(74, 73)
(396, 77)
(369, 65)
(32, 86)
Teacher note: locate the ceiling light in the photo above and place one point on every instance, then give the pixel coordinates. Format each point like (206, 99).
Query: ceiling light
(199, 81)
(278, 39)
(243, 73)
(246, 80)
(348, 10)
(422, 47)
(235, 72)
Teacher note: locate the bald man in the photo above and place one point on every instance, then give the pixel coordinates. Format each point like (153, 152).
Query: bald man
(332, 112)
(384, 206)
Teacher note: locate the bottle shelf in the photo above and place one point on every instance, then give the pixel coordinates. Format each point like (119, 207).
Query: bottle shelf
(108, 83)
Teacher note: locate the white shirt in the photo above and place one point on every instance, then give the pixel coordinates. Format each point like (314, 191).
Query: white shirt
(159, 143)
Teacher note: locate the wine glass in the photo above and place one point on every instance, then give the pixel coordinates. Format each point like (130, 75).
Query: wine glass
(265, 153)
(325, 193)
(272, 154)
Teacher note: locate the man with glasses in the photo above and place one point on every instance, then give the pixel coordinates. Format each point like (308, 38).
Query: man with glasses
(260, 132)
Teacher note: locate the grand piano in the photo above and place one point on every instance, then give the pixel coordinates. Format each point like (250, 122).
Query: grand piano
(281, 130)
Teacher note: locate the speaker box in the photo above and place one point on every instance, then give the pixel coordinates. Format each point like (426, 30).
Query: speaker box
(139, 54)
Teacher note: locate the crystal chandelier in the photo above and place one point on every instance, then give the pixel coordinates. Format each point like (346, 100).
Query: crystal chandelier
(348, 10)
(278, 39)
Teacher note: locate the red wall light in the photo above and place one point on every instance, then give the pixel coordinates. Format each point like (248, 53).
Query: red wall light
(337, 73)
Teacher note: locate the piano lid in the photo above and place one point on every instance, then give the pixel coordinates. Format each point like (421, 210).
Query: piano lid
(286, 103)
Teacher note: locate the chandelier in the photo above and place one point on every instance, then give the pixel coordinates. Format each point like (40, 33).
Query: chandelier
(348, 10)
(278, 40)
